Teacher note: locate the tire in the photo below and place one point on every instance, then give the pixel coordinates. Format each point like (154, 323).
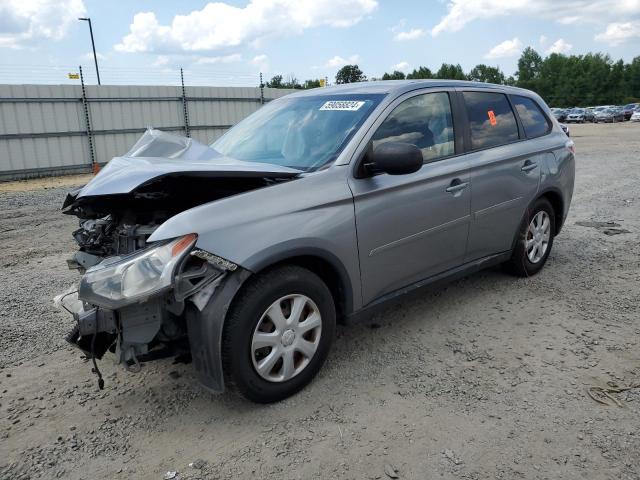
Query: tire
(248, 321)
(521, 263)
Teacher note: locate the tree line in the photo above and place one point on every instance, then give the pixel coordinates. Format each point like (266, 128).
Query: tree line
(562, 80)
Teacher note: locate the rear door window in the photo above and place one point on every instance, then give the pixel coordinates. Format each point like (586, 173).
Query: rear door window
(535, 123)
(491, 120)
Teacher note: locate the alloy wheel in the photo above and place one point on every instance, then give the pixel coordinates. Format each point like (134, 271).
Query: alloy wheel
(538, 236)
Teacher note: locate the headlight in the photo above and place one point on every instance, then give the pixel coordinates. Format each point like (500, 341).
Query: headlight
(119, 281)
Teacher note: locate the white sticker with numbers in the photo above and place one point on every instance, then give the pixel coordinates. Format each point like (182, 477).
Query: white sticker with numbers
(343, 105)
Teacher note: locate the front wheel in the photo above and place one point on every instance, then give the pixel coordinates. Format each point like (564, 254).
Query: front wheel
(277, 333)
(534, 241)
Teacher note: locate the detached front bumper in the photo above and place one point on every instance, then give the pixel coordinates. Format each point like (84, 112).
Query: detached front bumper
(162, 326)
(130, 332)
(94, 331)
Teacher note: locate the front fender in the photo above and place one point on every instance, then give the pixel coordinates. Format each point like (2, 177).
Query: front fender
(312, 214)
(205, 330)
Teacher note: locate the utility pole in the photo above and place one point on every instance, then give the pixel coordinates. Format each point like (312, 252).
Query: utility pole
(261, 90)
(93, 45)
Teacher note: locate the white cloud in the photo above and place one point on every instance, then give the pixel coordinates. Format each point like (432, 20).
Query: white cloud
(260, 59)
(411, 34)
(543, 39)
(89, 56)
(559, 46)
(462, 12)
(402, 66)
(220, 25)
(399, 26)
(508, 48)
(26, 21)
(161, 61)
(236, 57)
(338, 61)
(617, 33)
(569, 19)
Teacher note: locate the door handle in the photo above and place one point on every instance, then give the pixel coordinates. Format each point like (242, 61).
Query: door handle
(456, 186)
(528, 166)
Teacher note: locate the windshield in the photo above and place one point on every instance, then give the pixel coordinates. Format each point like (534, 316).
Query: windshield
(300, 132)
(577, 111)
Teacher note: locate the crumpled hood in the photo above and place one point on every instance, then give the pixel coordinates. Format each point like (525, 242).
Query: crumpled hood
(158, 154)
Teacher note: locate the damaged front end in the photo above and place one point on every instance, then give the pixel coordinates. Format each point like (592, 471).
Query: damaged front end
(145, 300)
(134, 306)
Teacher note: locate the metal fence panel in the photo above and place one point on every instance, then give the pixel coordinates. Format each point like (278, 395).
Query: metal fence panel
(43, 130)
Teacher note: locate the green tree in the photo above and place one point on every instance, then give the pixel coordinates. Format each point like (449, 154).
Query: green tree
(311, 84)
(350, 74)
(529, 66)
(451, 72)
(275, 82)
(487, 74)
(616, 82)
(396, 75)
(292, 82)
(420, 73)
(632, 80)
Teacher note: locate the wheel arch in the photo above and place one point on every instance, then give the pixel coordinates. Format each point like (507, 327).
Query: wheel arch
(324, 264)
(555, 199)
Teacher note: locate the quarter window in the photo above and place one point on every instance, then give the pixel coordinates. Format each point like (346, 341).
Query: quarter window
(533, 120)
(424, 121)
(491, 120)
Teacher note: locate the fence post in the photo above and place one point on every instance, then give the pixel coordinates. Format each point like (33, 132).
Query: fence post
(261, 90)
(185, 109)
(95, 168)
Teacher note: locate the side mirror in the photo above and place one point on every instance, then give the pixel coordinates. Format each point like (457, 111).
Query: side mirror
(395, 158)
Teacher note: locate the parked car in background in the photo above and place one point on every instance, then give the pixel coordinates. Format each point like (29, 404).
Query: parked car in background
(635, 116)
(619, 109)
(600, 108)
(317, 208)
(609, 115)
(628, 110)
(559, 114)
(579, 115)
(589, 116)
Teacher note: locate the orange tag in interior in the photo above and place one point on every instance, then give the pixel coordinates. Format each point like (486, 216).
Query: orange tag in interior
(492, 118)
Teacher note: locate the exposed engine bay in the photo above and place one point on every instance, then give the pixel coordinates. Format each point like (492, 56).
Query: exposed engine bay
(120, 224)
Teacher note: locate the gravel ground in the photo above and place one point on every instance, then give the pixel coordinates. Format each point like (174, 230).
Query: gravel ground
(485, 378)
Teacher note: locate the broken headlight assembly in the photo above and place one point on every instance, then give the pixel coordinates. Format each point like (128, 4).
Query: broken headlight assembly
(120, 281)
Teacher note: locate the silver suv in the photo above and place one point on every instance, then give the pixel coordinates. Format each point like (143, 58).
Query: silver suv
(321, 206)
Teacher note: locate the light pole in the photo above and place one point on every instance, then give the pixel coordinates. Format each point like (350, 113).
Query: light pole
(93, 45)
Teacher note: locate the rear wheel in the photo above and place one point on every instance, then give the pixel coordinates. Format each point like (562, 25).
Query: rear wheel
(534, 241)
(278, 333)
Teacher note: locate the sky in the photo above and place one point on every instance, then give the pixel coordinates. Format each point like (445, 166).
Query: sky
(229, 42)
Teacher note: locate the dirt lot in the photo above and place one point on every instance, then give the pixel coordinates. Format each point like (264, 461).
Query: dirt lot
(486, 378)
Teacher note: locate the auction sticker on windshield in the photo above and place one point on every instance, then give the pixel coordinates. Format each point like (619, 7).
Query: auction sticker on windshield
(344, 105)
